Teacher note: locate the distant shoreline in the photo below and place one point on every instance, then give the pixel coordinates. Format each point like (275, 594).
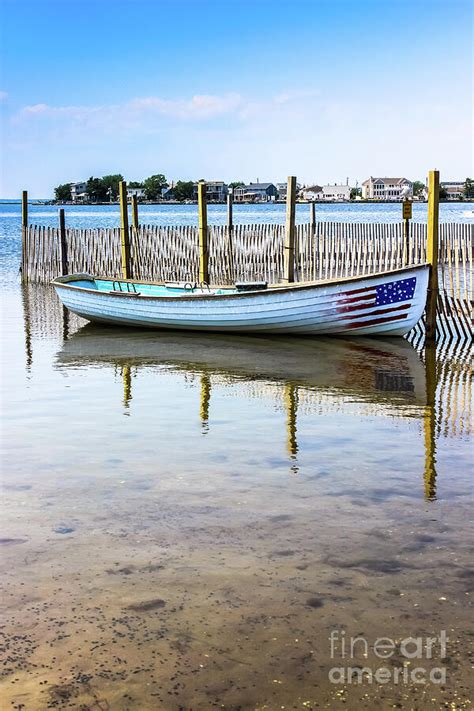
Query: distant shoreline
(55, 203)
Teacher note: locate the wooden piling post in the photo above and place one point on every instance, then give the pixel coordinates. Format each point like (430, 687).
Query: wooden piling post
(312, 238)
(230, 204)
(203, 234)
(407, 215)
(24, 208)
(312, 216)
(135, 212)
(62, 242)
(24, 228)
(406, 247)
(289, 253)
(432, 253)
(230, 229)
(124, 231)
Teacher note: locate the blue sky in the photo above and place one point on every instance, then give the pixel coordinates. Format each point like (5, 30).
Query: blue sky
(321, 89)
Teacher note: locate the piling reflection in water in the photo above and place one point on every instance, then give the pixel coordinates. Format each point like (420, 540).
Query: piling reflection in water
(429, 422)
(380, 377)
(205, 402)
(127, 386)
(291, 405)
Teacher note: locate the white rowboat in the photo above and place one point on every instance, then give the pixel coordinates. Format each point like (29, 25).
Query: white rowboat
(376, 304)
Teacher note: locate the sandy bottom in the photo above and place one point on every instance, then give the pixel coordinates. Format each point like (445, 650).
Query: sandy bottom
(174, 598)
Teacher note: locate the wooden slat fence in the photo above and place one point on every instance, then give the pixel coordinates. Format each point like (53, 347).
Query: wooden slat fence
(330, 250)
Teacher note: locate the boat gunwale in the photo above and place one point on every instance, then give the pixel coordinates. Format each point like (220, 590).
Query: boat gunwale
(63, 281)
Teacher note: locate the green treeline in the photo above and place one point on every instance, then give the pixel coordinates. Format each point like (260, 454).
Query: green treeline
(106, 189)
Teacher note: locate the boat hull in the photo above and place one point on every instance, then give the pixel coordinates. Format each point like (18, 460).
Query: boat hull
(384, 304)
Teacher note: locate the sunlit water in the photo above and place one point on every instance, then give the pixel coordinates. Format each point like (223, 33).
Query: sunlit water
(186, 518)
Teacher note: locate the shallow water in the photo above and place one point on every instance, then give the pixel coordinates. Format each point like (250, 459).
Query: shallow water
(187, 518)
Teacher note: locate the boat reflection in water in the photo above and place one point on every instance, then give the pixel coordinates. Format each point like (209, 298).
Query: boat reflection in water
(377, 376)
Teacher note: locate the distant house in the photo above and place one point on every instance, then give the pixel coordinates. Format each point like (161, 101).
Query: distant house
(167, 193)
(216, 191)
(454, 189)
(256, 192)
(79, 192)
(336, 193)
(138, 192)
(312, 192)
(386, 188)
(282, 189)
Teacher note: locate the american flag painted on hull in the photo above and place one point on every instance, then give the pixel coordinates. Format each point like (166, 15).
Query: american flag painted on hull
(373, 305)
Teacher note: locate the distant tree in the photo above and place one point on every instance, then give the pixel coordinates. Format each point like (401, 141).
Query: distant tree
(96, 190)
(184, 190)
(111, 185)
(236, 184)
(356, 192)
(468, 191)
(63, 192)
(443, 193)
(134, 184)
(154, 185)
(418, 187)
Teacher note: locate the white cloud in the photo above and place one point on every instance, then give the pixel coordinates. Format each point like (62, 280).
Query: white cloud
(199, 107)
(319, 137)
(296, 96)
(36, 109)
(3, 95)
(142, 112)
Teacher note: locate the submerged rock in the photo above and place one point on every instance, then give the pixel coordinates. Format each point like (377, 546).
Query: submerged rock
(63, 529)
(147, 605)
(314, 602)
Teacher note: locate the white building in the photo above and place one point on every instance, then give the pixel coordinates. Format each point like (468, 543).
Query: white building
(386, 188)
(139, 192)
(329, 193)
(312, 193)
(79, 192)
(454, 189)
(336, 193)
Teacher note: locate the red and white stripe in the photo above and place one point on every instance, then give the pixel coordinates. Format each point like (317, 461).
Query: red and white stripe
(359, 307)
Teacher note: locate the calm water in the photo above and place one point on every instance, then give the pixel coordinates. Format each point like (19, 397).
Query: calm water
(187, 518)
